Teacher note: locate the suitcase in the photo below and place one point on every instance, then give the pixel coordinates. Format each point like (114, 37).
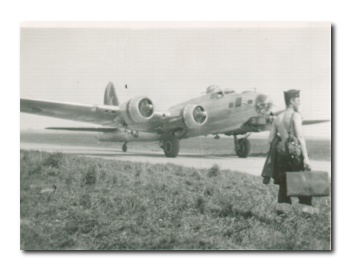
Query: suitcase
(311, 183)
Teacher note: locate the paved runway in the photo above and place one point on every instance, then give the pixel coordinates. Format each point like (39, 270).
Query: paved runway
(251, 165)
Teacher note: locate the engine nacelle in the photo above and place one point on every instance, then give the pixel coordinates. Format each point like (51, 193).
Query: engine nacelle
(194, 116)
(137, 110)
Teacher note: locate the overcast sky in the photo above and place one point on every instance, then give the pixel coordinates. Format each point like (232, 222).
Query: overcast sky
(173, 63)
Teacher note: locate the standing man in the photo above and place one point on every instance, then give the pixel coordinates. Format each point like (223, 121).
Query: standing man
(289, 121)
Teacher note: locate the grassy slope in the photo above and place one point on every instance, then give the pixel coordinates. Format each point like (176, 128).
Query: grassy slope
(70, 202)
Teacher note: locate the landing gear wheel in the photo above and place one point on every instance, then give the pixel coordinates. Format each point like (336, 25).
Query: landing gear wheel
(125, 147)
(242, 147)
(171, 147)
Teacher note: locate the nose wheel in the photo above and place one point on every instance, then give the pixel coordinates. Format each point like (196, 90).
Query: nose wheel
(125, 147)
(242, 147)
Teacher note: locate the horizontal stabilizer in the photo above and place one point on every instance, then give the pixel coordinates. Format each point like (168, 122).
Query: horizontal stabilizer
(81, 129)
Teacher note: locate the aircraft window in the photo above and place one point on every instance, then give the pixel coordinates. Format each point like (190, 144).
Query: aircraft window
(230, 105)
(238, 101)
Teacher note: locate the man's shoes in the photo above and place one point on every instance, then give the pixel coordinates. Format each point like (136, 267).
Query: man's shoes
(283, 208)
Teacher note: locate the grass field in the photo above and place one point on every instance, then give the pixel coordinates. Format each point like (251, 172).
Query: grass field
(71, 203)
(317, 149)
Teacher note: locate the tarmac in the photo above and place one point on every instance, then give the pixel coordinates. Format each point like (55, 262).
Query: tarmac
(251, 165)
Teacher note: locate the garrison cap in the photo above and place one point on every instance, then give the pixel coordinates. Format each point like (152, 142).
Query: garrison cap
(291, 94)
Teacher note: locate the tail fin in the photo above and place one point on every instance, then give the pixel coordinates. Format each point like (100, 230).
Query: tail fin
(110, 97)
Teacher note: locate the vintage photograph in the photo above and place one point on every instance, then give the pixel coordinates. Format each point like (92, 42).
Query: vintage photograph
(176, 136)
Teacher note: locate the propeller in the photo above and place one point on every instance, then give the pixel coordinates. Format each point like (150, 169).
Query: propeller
(199, 114)
(146, 107)
(263, 104)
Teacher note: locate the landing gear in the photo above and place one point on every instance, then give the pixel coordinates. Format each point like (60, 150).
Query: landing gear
(171, 146)
(242, 147)
(125, 147)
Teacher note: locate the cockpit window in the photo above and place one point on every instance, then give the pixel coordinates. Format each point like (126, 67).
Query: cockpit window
(217, 95)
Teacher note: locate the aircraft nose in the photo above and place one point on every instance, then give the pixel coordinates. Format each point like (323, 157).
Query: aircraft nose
(263, 104)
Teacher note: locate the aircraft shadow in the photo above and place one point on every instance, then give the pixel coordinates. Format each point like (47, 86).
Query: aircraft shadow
(109, 153)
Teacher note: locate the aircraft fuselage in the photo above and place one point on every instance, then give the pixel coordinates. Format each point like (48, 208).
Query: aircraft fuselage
(225, 111)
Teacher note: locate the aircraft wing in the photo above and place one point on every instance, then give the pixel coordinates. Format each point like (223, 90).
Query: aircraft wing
(102, 115)
(309, 122)
(136, 114)
(84, 129)
(305, 122)
(262, 124)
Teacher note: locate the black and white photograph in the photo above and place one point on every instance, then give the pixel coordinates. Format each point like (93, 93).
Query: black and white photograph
(176, 136)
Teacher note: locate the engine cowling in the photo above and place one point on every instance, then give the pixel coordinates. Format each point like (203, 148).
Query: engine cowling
(263, 104)
(137, 110)
(194, 116)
